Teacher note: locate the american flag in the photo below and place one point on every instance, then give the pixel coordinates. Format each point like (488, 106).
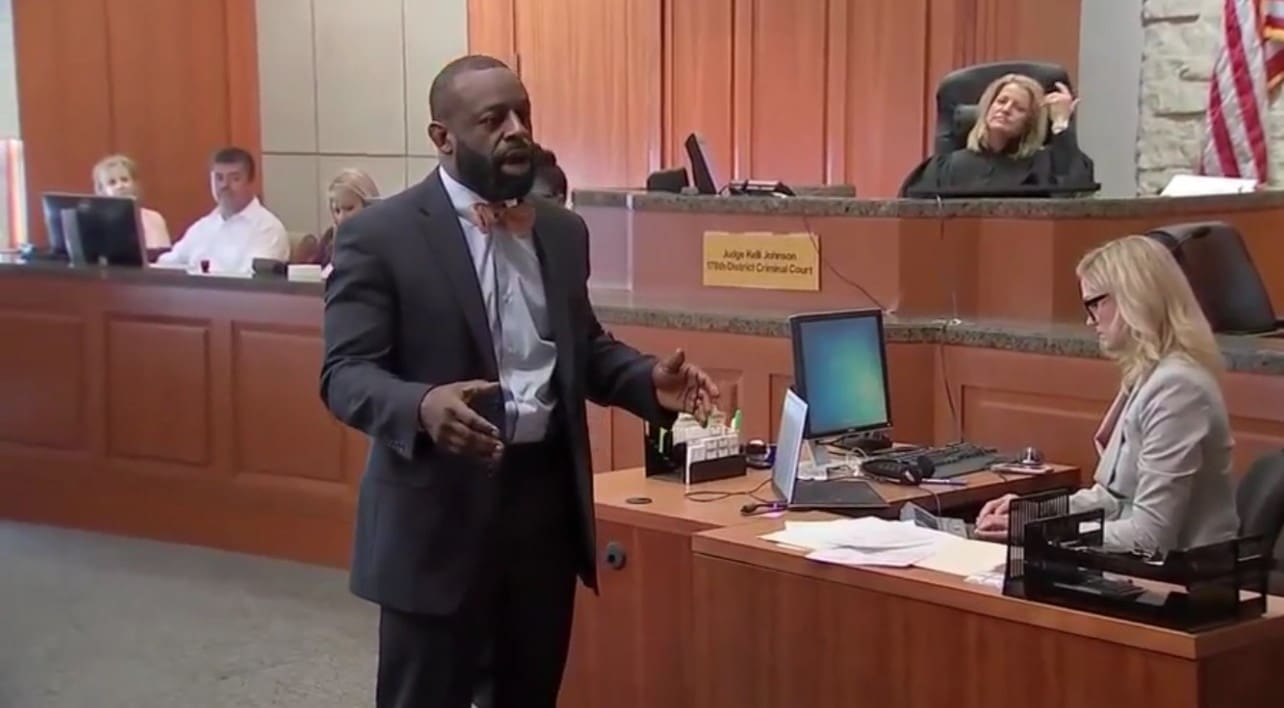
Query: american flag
(1250, 64)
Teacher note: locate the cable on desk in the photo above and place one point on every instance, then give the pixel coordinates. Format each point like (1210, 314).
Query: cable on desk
(935, 496)
(704, 496)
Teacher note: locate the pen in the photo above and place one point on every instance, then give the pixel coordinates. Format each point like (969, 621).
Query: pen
(949, 482)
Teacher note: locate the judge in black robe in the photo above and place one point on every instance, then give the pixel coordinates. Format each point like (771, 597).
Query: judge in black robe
(1009, 145)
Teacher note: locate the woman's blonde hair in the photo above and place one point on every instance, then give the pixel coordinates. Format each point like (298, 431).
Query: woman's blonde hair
(1036, 121)
(111, 161)
(357, 182)
(1159, 311)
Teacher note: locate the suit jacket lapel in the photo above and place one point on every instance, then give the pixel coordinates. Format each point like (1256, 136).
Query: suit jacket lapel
(446, 237)
(557, 301)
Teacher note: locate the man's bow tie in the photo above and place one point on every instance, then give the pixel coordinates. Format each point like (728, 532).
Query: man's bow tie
(517, 220)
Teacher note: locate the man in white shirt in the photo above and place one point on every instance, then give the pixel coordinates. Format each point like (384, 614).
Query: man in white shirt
(239, 230)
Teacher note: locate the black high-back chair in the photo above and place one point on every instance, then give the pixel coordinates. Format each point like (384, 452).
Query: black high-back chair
(1259, 501)
(1222, 275)
(961, 89)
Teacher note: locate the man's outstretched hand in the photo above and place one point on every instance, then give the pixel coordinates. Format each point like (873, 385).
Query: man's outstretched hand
(454, 426)
(682, 387)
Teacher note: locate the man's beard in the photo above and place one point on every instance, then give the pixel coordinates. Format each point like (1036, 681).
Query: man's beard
(480, 173)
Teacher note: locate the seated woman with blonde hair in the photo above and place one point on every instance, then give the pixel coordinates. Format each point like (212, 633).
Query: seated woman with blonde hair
(349, 192)
(1006, 146)
(117, 176)
(1163, 479)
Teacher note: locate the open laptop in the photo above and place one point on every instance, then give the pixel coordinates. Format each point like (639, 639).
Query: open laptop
(812, 495)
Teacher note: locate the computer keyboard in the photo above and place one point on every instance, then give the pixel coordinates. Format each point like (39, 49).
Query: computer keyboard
(950, 460)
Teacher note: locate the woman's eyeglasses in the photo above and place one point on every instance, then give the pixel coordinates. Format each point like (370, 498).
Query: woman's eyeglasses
(1091, 304)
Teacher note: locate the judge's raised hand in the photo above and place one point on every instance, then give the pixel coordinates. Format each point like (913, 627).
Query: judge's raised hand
(454, 426)
(1061, 104)
(683, 387)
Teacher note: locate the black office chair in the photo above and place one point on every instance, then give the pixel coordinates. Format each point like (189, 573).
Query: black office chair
(1259, 500)
(1222, 274)
(961, 89)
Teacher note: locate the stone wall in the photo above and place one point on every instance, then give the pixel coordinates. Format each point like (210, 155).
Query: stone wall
(1181, 39)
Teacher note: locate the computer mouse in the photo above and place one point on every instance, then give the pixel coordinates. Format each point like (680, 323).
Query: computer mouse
(1031, 457)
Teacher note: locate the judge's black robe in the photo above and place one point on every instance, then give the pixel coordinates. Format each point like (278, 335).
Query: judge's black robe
(1059, 164)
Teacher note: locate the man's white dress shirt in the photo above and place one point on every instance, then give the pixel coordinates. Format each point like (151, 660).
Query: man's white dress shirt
(231, 245)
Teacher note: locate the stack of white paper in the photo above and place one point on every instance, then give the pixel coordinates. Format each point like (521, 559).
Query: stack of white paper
(864, 541)
(967, 558)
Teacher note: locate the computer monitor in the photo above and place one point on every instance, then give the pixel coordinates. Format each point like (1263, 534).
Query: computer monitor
(53, 204)
(94, 229)
(840, 369)
(702, 173)
(789, 445)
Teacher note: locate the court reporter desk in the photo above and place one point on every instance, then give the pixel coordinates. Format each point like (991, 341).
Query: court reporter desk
(773, 629)
(632, 644)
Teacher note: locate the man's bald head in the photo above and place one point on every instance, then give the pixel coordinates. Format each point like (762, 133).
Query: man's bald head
(442, 97)
(481, 127)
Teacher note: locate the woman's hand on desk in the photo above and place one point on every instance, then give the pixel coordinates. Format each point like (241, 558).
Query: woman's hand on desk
(992, 522)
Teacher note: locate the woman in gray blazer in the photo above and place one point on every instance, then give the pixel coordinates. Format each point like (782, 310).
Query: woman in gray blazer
(1163, 479)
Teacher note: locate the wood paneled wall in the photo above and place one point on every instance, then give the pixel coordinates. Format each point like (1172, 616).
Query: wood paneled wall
(188, 411)
(807, 91)
(615, 126)
(165, 82)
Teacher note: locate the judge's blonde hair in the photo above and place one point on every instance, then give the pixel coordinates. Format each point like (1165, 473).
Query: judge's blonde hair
(1160, 314)
(1036, 121)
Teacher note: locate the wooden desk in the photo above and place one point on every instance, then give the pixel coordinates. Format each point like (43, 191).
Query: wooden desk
(670, 508)
(630, 644)
(185, 408)
(772, 628)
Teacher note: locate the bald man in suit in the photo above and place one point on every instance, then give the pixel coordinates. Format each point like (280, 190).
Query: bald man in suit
(460, 337)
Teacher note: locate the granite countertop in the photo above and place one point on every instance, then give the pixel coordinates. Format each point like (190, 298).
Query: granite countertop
(617, 307)
(162, 276)
(1250, 354)
(1087, 207)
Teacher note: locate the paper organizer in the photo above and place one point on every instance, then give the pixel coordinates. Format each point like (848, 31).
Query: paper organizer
(694, 453)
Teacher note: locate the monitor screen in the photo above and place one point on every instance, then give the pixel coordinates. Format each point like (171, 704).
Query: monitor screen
(702, 171)
(94, 228)
(52, 206)
(840, 369)
(789, 440)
